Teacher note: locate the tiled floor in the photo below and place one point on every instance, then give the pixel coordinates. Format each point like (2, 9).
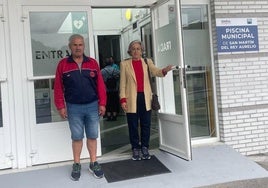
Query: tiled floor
(114, 136)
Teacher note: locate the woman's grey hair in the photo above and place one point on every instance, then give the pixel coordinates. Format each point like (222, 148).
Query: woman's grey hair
(134, 42)
(74, 36)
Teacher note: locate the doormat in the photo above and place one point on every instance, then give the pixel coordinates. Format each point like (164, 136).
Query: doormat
(129, 169)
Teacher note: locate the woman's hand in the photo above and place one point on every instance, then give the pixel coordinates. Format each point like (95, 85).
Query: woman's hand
(168, 68)
(124, 106)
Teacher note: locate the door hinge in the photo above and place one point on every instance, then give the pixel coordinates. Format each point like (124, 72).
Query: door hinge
(2, 18)
(3, 79)
(10, 156)
(23, 18)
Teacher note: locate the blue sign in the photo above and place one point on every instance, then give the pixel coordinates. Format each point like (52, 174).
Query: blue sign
(237, 34)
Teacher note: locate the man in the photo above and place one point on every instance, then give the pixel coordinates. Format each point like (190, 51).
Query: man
(111, 79)
(80, 96)
(111, 60)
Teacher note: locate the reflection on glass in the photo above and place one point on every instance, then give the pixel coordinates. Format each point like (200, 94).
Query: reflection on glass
(49, 44)
(177, 91)
(1, 115)
(44, 102)
(194, 17)
(197, 94)
(199, 77)
(50, 41)
(199, 101)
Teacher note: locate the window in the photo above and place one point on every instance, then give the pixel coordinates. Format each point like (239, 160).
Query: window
(50, 44)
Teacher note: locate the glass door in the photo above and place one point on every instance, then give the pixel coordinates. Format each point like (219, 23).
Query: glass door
(46, 44)
(6, 155)
(196, 37)
(173, 117)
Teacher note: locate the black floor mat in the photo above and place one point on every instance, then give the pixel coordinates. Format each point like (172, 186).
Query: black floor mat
(129, 169)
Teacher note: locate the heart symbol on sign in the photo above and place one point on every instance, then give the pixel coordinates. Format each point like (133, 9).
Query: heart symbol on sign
(78, 24)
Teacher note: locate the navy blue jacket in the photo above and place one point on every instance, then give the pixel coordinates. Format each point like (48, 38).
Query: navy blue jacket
(77, 86)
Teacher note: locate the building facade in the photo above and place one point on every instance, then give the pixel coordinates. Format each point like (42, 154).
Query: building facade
(223, 42)
(242, 82)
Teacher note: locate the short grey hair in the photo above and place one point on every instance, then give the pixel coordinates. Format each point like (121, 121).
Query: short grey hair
(135, 42)
(74, 36)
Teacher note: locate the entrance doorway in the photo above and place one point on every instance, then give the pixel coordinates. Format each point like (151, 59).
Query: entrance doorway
(109, 46)
(46, 44)
(199, 78)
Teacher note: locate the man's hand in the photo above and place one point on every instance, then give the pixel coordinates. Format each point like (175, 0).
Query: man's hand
(63, 113)
(102, 110)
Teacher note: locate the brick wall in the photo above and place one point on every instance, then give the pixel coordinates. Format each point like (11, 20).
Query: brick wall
(242, 81)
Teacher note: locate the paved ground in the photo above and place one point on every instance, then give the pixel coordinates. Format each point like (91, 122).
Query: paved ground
(254, 183)
(214, 166)
(262, 160)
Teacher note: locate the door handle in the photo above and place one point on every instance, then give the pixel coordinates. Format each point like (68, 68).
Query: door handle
(176, 67)
(33, 78)
(176, 72)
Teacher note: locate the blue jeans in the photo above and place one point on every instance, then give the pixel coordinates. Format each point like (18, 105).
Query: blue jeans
(144, 118)
(83, 117)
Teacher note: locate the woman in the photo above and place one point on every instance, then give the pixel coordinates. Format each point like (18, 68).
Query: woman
(135, 97)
